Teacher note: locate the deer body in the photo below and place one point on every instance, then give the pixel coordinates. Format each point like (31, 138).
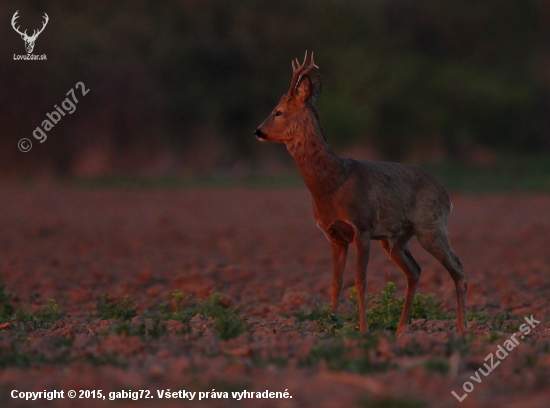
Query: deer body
(356, 201)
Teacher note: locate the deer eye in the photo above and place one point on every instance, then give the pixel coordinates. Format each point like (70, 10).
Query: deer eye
(278, 113)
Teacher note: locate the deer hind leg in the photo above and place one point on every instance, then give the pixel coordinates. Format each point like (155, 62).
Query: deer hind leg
(400, 254)
(339, 255)
(362, 247)
(437, 243)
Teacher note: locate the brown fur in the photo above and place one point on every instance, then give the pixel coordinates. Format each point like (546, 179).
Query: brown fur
(356, 201)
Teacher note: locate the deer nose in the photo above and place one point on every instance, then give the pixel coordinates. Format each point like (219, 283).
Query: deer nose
(259, 134)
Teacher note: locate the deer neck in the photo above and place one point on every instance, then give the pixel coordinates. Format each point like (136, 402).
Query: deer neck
(321, 168)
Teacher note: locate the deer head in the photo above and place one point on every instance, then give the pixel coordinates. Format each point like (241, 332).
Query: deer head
(295, 107)
(29, 40)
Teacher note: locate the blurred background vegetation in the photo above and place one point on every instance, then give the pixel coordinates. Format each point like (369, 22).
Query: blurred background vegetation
(177, 87)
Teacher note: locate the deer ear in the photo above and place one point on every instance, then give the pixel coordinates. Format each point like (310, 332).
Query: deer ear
(304, 89)
(317, 87)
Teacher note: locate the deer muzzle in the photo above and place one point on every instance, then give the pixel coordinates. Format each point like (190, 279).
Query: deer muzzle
(260, 135)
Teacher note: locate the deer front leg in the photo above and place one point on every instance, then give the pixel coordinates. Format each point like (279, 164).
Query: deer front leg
(339, 255)
(362, 247)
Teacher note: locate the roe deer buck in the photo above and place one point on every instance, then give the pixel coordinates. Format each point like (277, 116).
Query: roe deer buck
(357, 201)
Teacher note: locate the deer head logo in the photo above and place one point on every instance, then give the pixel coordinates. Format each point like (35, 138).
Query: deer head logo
(29, 40)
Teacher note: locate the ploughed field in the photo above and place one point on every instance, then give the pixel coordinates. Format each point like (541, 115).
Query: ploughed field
(220, 291)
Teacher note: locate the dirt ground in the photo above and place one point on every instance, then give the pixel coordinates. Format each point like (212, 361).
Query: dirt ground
(261, 250)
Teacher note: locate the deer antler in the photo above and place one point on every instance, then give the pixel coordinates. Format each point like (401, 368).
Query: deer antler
(298, 71)
(15, 17)
(37, 32)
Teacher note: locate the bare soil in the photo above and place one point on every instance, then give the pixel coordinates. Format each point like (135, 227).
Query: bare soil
(261, 250)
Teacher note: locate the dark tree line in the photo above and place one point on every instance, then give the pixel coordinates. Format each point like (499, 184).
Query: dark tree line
(189, 76)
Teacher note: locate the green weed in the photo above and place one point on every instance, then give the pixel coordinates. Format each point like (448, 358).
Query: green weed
(385, 309)
(50, 312)
(17, 355)
(478, 317)
(141, 330)
(328, 321)
(384, 312)
(493, 336)
(341, 355)
(128, 329)
(122, 310)
(501, 322)
(332, 322)
(24, 315)
(505, 322)
(6, 308)
(438, 365)
(227, 321)
(178, 308)
(14, 357)
(425, 307)
(106, 359)
(157, 329)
